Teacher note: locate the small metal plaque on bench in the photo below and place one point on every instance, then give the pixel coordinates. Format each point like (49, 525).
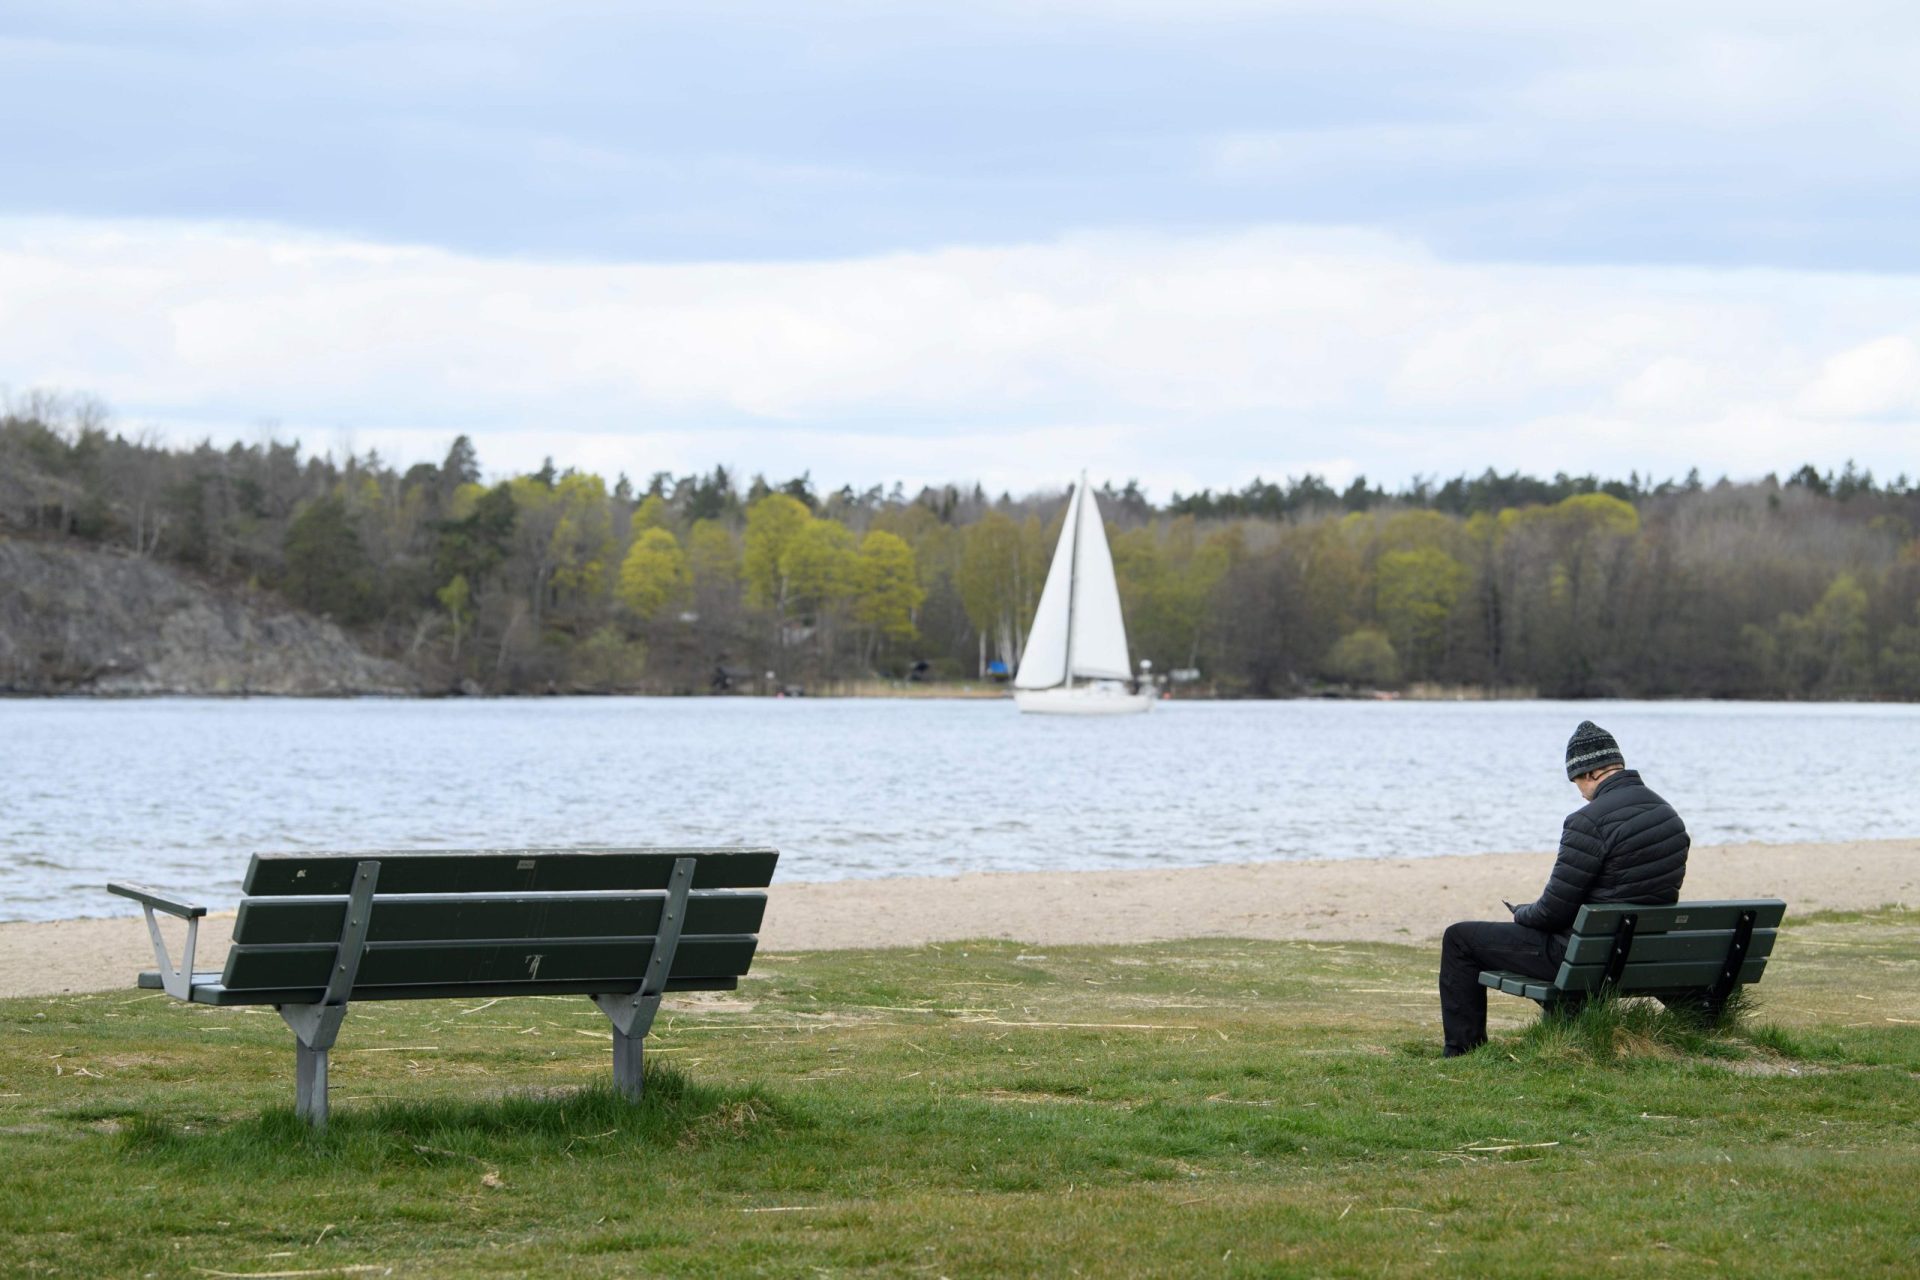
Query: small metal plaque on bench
(526, 864)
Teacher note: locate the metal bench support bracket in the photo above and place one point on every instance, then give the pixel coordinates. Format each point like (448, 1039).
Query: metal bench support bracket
(315, 1026)
(1622, 949)
(632, 1012)
(1730, 971)
(178, 982)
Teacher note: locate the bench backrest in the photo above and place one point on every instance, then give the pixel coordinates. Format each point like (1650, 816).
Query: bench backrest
(1674, 949)
(495, 922)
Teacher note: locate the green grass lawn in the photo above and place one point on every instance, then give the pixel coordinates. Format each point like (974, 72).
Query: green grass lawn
(1194, 1108)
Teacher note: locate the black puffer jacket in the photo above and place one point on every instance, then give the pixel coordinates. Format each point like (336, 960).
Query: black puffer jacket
(1625, 845)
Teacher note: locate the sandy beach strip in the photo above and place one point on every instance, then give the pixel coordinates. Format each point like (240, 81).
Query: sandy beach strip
(1390, 900)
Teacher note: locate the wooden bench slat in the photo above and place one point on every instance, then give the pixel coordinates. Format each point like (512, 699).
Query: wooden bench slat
(1515, 984)
(207, 989)
(1686, 944)
(1604, 918)
(434, 917)
(1673, 976)
(616, 963)
(505, 870)
(150, 979)
(1643, 979)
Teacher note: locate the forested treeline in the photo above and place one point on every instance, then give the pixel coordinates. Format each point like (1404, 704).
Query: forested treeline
(1574, 586)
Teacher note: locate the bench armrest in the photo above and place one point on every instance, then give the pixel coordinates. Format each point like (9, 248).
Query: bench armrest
(157, 900)
(177, 979)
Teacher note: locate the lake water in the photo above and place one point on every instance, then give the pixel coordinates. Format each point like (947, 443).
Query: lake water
(176, 793)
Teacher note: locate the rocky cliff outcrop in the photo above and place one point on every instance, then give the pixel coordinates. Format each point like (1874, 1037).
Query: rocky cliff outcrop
(78, 619)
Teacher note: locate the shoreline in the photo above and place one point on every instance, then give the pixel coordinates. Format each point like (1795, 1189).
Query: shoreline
(1410, 900)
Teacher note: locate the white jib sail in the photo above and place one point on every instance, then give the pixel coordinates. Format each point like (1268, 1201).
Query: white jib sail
(1043, 663)
(1099, 632)
(1079, 607)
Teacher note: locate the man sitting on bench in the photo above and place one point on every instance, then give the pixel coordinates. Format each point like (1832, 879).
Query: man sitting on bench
(1625, 844)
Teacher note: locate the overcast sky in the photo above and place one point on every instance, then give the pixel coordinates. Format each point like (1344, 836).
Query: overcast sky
(1190, 243)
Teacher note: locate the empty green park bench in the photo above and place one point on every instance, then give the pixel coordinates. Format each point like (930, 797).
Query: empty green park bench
(1691, 954)
(317, 931)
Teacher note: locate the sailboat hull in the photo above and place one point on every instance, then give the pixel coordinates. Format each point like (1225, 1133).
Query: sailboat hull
(1083, 700)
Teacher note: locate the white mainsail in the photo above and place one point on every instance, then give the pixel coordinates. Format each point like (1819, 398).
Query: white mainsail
(1078, 631)
(1099, 650)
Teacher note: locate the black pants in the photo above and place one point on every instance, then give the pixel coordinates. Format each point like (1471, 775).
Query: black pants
(1473, 945)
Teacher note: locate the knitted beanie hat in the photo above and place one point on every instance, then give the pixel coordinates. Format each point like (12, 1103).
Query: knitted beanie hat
(1590, 748)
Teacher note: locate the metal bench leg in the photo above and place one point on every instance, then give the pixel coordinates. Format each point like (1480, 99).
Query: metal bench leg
(315, 1026)
(1566, 1006)
(628, 1052)
(631, 1012)
(310, 1084)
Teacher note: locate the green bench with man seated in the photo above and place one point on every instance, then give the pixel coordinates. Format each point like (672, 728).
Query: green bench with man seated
(318, 931)
(1692, 955)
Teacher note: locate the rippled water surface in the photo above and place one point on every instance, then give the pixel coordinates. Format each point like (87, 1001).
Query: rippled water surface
(176, 793)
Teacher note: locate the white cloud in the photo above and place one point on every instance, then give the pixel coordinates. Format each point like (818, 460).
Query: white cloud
(1182, 360)
(1874, 379)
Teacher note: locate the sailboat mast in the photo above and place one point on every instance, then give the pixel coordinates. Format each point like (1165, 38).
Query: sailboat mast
(1073, 577)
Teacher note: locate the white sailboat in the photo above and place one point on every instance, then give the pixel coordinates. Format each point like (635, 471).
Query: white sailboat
(1075, 661)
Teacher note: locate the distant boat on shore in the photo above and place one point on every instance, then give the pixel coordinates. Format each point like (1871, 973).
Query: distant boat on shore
(1075, 661)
